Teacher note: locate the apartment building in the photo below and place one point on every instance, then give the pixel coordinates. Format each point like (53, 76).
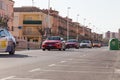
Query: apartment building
(6, 13)
(27, 23)
(29, 20)
(59, 26)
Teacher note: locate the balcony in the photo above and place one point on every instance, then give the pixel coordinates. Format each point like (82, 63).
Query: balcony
(32, 22)
(31, 33)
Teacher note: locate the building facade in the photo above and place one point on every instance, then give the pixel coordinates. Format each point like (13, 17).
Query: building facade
(6, 13)
(110, 35)
(28, 21)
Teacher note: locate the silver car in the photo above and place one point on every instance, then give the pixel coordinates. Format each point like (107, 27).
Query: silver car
(85, 44)
(7, 41)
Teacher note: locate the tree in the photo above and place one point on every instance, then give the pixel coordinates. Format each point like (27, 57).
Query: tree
(4, 21)
(42, 32)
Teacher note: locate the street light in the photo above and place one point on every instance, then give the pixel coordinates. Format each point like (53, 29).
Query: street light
(49, 27)
(77, 27)
(32, 3)
(84, 26)
(68, 23)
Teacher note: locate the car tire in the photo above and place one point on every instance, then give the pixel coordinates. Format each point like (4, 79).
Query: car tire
(43, 49)
(64, 49)
(48, 49)
(77, 47)
(12, 52)
(59, 49)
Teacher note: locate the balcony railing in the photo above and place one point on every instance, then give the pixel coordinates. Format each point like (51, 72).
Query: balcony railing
(31, 33)
(32, 22)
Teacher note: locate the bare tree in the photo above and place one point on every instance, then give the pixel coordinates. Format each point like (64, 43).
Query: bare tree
(4, 22)
(42, 32)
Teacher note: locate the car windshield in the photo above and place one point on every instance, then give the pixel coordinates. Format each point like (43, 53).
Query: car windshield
(85, 41)
(96, 42)
(53, 38)
(72, 40)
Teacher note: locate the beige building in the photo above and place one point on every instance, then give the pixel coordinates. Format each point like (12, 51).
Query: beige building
(27, 23)
(6, 11)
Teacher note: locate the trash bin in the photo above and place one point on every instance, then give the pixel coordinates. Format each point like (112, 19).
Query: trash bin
(114, 44)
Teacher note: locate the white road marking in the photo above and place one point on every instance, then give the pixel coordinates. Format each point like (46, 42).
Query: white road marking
(63, 61)
(51, 65)
(37, 69)
(10, 77)
(117, 71)
(109, 72)
(96, 67)
(29, 79)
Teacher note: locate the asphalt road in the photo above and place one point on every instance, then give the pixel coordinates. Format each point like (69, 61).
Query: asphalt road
(72, 64)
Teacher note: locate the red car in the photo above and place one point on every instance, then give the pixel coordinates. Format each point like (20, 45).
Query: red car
(96, 44)
(53, 42)
(72, 43)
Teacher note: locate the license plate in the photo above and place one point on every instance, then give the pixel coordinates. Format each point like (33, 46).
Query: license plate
(49, 45)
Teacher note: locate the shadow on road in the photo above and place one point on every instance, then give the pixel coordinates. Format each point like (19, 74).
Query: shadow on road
(13, 56)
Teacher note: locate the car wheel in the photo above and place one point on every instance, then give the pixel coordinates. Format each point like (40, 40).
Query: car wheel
(43, 49)
(77, 47)
(64, 49)
(12, 52)
(48, 49)
(59, 49)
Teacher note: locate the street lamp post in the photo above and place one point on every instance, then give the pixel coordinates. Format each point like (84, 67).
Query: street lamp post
(77, 27)
(84, 27)
(32, 3)
(68, 23)
(49, 27)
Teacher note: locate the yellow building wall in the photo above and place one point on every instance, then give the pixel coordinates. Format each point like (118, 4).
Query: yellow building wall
(26, 28)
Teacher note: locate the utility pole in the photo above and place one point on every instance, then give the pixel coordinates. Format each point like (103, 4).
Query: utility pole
(68, 23)
(48, 30)
(77, 28)
(84, 27)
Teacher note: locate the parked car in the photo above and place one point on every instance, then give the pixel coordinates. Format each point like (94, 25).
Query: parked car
(53, 42)
(96, 44)
(7, 41)
(72, 43)
(85, 44)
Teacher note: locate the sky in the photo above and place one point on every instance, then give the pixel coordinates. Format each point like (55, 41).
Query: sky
(101, 15)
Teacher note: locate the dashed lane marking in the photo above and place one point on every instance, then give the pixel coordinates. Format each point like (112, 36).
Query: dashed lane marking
(29, 79)
(33, 70)
(117, 71)
(7, 78)
(51, 65)
(63, 71)
(63, 61)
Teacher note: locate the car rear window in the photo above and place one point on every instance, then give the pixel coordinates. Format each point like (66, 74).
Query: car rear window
(85, 41)
(53, 38)
(72, 40)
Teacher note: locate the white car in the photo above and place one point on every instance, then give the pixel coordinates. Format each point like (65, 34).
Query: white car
(85, 44)
(7, 41)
